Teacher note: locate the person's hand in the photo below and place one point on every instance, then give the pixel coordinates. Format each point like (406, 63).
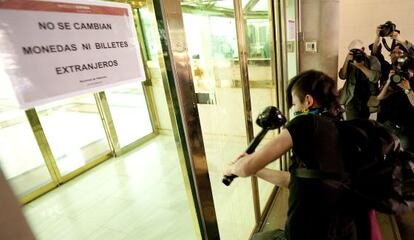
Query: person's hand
(392, 72)
(404, 84)
(358, 65)
(228, 170)
(395, 36)
(349, 57)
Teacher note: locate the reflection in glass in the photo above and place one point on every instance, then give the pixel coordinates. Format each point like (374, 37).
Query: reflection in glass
(261, 6)
(20, 158)
(258, 38)
(149, 37)
(262, 87)
(291, 38)
(74, 131)
(212, 47)
(229, 3)
(129, 112)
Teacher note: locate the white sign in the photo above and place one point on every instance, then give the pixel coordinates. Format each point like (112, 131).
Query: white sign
(52, 50)
(291, 30)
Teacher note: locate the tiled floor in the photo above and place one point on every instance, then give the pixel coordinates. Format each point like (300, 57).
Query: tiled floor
(26, 170)
(138, 196)
(141, 195)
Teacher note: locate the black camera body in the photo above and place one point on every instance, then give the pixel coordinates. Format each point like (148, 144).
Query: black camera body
(401, 71)
(358, 55)
(387, 28)
(399, 75)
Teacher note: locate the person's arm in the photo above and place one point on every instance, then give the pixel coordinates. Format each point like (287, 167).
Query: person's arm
(249, 164)
(405, 86)
(278, 178)
(344, 70)
(410, 96)
(407, 44)
(368, 73)
(374, 72)
(384, 92)
(376, 42)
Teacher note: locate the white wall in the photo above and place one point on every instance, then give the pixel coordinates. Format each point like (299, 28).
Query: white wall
(319, 20)
(359, 19)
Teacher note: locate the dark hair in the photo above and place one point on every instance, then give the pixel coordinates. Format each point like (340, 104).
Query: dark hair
(379, 47)
(409, 62)
(320, 86)
(400, 46)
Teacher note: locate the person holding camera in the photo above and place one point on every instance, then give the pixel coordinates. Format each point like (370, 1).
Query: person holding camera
(362, 73)
(388, 29)
(396, 107)
(316, 210)
(398, 49)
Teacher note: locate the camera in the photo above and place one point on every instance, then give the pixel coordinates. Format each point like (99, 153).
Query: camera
(358, 55)
(401, 71)
(387, 28)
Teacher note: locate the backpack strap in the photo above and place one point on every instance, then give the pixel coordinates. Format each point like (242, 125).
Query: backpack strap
(335, 180)
(338, 181)
(315, 174)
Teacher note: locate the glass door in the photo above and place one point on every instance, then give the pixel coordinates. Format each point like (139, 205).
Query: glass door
(261, 64)
(129, 113)
(212, 47)
(20, 157)
(75, 133)
(135, 100)
(55, 142)
(212, 40)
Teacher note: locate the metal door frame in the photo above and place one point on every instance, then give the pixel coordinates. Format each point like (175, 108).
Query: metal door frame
(180, 93)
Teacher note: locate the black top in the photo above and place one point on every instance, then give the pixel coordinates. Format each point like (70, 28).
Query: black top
(397, 109)
(386, 67)
(317, 210)
(362, 85)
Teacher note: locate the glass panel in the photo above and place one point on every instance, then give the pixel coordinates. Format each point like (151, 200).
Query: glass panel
(20, 157)
(150, 32)
(258, 41)
(212, 50)
(229, 3)
(262, 89)
(212, 45)
(74, 131)
(291, 37)
(261, 6)
(149, 36)
(129, 112)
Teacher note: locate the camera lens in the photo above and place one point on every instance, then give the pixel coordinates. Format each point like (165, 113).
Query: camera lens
(396, 78)
(358, 55)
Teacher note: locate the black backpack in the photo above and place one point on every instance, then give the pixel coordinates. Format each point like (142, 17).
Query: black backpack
(379, 174)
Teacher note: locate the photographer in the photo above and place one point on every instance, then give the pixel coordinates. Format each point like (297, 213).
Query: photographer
(361, 73)
(396, 108)
(399, 48)
(388, 29)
